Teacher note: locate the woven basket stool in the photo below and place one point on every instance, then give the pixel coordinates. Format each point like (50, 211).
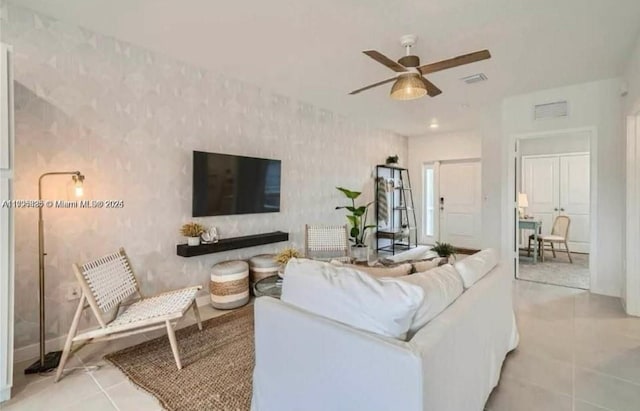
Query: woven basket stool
(229, 285)
(262, 266)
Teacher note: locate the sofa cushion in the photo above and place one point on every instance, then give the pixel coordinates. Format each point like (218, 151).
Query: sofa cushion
(441, 286)
(384, 306)
(379, 271)
(474, 267)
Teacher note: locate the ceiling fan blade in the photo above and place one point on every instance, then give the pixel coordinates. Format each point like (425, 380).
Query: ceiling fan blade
(382, 59)
(455, 62)
(373, 85)
(432, 89)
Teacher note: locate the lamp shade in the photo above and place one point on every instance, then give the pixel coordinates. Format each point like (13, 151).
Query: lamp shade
(408, 87)
(523, 201)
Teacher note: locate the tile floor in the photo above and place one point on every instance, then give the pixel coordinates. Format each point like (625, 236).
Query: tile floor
(578, 352)
(101, 389)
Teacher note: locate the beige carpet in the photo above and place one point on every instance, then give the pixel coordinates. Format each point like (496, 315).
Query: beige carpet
(557, 271)
(217, 365)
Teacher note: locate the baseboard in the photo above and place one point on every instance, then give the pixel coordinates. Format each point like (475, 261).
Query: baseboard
(5, 393)
(32, 351)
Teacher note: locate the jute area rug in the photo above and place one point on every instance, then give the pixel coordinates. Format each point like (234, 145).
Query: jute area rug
(217, 365)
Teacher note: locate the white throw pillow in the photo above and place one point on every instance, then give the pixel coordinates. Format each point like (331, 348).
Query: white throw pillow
(421, 252)
(474, 267)
(441, 285)
(384, 306)
(378, 272)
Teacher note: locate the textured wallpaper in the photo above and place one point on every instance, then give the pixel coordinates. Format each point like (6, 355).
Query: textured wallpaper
(129, 119)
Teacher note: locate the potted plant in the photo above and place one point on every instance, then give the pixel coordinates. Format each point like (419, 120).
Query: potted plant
(192, 231)
(392, 160)
(284, 256)
(358, 220)
(445, 250)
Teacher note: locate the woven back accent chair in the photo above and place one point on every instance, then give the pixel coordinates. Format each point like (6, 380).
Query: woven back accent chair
(327, 242)
(559, 235)
(110, 290)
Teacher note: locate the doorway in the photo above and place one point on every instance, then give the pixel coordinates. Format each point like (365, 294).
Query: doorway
(553, 186)
(452, 203)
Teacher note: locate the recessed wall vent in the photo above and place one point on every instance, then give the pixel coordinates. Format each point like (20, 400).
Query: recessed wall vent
(551, 110)
(476, 78)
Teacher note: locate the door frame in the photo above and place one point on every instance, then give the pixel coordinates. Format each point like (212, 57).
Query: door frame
(514, 171)
(631, 294)
(435, 165)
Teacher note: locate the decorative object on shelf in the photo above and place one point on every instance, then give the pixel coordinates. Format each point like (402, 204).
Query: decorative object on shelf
(523, 202)
(284, 256)
(358, 220)
(48, 361)
(209, 236)
(445, 250)
(392, 160)
(405, 231)
(192, 231)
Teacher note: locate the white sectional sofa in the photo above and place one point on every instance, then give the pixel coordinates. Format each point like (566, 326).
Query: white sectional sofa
(307, 362)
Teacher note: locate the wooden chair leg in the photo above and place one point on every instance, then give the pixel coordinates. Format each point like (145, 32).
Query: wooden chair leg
(566, 245)
(529, 248)
(541, 248)
(174, 344)
(69, 342)
(196, 313)
(553, 250)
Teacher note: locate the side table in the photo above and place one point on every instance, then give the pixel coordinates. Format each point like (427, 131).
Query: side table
(269, 286)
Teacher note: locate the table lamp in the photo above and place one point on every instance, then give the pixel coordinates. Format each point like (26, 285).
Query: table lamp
(523, 202)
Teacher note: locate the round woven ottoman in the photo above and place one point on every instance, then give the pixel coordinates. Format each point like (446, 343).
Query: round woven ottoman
(229, 285)
(262, 266)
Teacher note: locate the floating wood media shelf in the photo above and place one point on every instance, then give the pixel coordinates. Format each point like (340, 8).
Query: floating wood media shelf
(233, 243)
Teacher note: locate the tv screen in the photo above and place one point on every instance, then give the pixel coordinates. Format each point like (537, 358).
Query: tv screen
(225, 184)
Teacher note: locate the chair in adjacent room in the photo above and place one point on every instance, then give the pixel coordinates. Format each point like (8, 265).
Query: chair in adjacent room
(327, 242)
(559, 235)
(110, 290)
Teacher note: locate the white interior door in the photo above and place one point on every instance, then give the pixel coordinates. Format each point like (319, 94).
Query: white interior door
(460, 204)
(575, 199)
(540, 181)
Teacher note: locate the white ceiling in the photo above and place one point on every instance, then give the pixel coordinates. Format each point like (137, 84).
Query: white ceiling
(311, 50)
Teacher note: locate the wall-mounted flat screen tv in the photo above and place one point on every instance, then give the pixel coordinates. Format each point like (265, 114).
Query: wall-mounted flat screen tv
(224, 184)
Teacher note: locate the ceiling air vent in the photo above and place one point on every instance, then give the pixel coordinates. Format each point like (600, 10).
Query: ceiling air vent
(476, 78)
(551, 110)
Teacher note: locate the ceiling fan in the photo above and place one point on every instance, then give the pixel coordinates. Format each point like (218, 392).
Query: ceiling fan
(410, 82)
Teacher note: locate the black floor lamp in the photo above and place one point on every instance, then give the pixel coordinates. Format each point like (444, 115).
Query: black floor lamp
(48, 361)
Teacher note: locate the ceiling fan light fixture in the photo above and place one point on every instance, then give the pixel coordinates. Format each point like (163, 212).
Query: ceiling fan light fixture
(408, 87)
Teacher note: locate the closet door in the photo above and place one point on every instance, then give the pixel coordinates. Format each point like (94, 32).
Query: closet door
(540, 180)
(574, 199)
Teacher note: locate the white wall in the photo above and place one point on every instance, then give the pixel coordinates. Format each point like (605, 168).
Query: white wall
(598, 105)
(559, 144)
(632, 80)
(129, 118)
(631, 295)
(438, 147)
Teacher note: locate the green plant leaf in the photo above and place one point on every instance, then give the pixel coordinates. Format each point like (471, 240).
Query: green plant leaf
(359, 211)
(355, 232)
(352, 195)
(353, 220)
